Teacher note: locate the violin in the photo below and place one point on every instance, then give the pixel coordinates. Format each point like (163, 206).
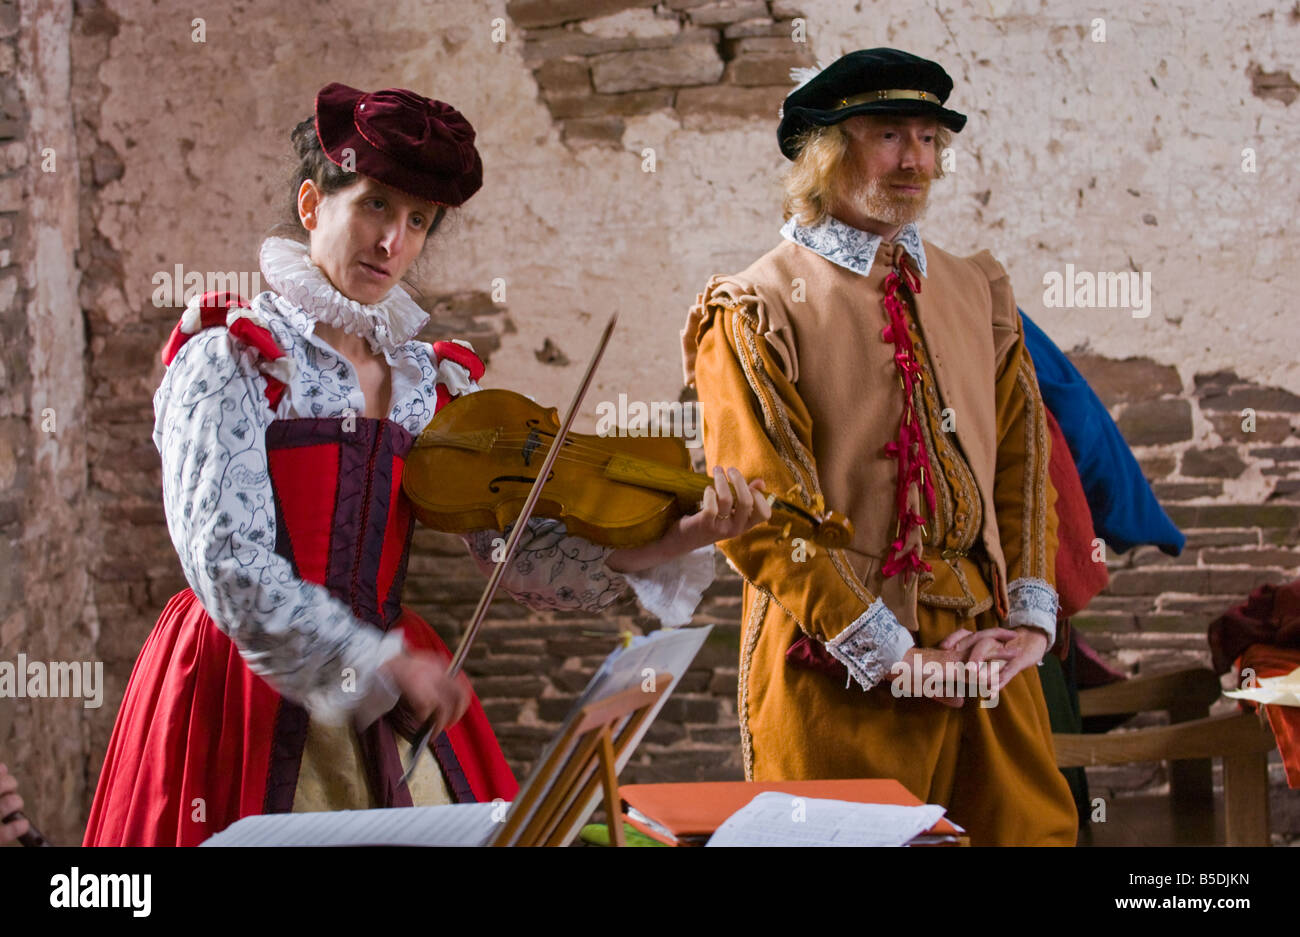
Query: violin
(473, 466)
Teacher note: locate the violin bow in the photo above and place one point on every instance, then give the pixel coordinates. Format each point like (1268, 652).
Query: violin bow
(512, 542)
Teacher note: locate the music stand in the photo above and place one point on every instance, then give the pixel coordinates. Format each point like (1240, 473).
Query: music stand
(585, 756)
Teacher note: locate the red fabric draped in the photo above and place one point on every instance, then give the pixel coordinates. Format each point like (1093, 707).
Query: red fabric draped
(191, 748)
(1269, 660)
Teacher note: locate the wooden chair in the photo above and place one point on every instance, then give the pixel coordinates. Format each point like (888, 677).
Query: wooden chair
(1242, 740)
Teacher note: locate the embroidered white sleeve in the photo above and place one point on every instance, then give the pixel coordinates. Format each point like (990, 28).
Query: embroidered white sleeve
(1034, 603)
(551, 569)
(554, 570)
(871, 645)
(210, 422)
(672, 590)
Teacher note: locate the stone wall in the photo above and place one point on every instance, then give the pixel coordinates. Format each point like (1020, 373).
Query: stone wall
(47, 532)
(1119, 155)
(599, 63)
(16, 438)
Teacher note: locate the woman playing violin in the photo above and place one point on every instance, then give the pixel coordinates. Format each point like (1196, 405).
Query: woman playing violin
(289, 676)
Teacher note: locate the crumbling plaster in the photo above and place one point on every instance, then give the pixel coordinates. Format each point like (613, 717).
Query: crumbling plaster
(1062, 130)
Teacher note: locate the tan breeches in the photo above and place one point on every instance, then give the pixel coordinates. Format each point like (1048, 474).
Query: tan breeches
(993, 768)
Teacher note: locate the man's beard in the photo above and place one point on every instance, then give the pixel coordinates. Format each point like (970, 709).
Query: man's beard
(876, 198)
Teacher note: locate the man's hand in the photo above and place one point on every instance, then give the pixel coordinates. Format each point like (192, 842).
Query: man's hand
(961, 647)
(1016, 648)
(956, 652)
(1029, 644)
(979, 645)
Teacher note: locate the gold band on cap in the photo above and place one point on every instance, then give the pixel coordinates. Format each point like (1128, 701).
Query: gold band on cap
(891, 94)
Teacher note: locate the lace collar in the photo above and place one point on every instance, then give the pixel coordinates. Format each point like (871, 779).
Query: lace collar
(850, 247)
(387, 324)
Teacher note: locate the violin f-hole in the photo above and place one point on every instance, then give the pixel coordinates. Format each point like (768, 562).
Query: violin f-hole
(494, 485)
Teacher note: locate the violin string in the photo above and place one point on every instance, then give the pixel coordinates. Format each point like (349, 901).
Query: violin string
(575, 453)
(506, 440)
(593, 454)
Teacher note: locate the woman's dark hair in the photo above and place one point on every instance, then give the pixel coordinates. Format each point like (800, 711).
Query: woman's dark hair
(313, 164)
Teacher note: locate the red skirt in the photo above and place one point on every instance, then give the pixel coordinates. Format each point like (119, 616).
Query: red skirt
(201, 741)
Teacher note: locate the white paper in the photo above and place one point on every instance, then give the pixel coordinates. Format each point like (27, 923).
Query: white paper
(1276, 691)
(444, 825)
(643, 664)
(776, 819)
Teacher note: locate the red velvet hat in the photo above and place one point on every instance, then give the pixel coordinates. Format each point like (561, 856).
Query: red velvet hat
(423, 147)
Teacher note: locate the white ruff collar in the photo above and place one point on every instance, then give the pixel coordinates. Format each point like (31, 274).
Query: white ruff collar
(288, 269)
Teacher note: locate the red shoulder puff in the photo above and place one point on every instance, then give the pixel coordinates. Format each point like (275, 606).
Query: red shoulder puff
(232, 311)
(463, 356)
(455, 353)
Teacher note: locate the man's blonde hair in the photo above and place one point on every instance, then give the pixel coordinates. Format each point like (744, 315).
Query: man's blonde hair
(812, 179)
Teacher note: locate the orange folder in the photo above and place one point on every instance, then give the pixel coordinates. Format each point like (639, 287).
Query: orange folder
(687, 814)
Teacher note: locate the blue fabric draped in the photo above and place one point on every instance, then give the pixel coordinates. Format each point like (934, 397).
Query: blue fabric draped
(1124, 509)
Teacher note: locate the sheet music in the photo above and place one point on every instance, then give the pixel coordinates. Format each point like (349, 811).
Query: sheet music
(776, 819)
(666, 651)
(445, 825)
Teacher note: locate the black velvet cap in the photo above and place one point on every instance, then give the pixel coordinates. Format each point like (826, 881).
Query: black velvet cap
(869, 81)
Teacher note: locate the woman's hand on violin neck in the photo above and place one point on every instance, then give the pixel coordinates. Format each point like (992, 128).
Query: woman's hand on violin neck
(422, 679)
(728, 509)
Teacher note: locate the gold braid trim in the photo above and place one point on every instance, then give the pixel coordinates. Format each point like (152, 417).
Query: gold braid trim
(753, 626)
(773, 415)
(1033, 541)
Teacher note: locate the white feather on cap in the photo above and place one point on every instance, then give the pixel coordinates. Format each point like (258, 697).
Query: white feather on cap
(804, 75)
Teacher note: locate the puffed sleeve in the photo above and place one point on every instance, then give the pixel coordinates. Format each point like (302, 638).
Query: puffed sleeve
(744, 366)
(1023, 495)
(553, 569)
(210, 424)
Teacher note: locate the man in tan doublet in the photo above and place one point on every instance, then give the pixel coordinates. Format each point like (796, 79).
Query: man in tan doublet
(806, 379)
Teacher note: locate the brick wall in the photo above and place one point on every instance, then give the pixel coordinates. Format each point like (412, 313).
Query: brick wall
(597, 63)
(1223, 457)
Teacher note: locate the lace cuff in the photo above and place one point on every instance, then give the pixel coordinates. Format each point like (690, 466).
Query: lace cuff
(672, 590)
(873, 643)
(383, 693)
(1033, 603)
(357, 691)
